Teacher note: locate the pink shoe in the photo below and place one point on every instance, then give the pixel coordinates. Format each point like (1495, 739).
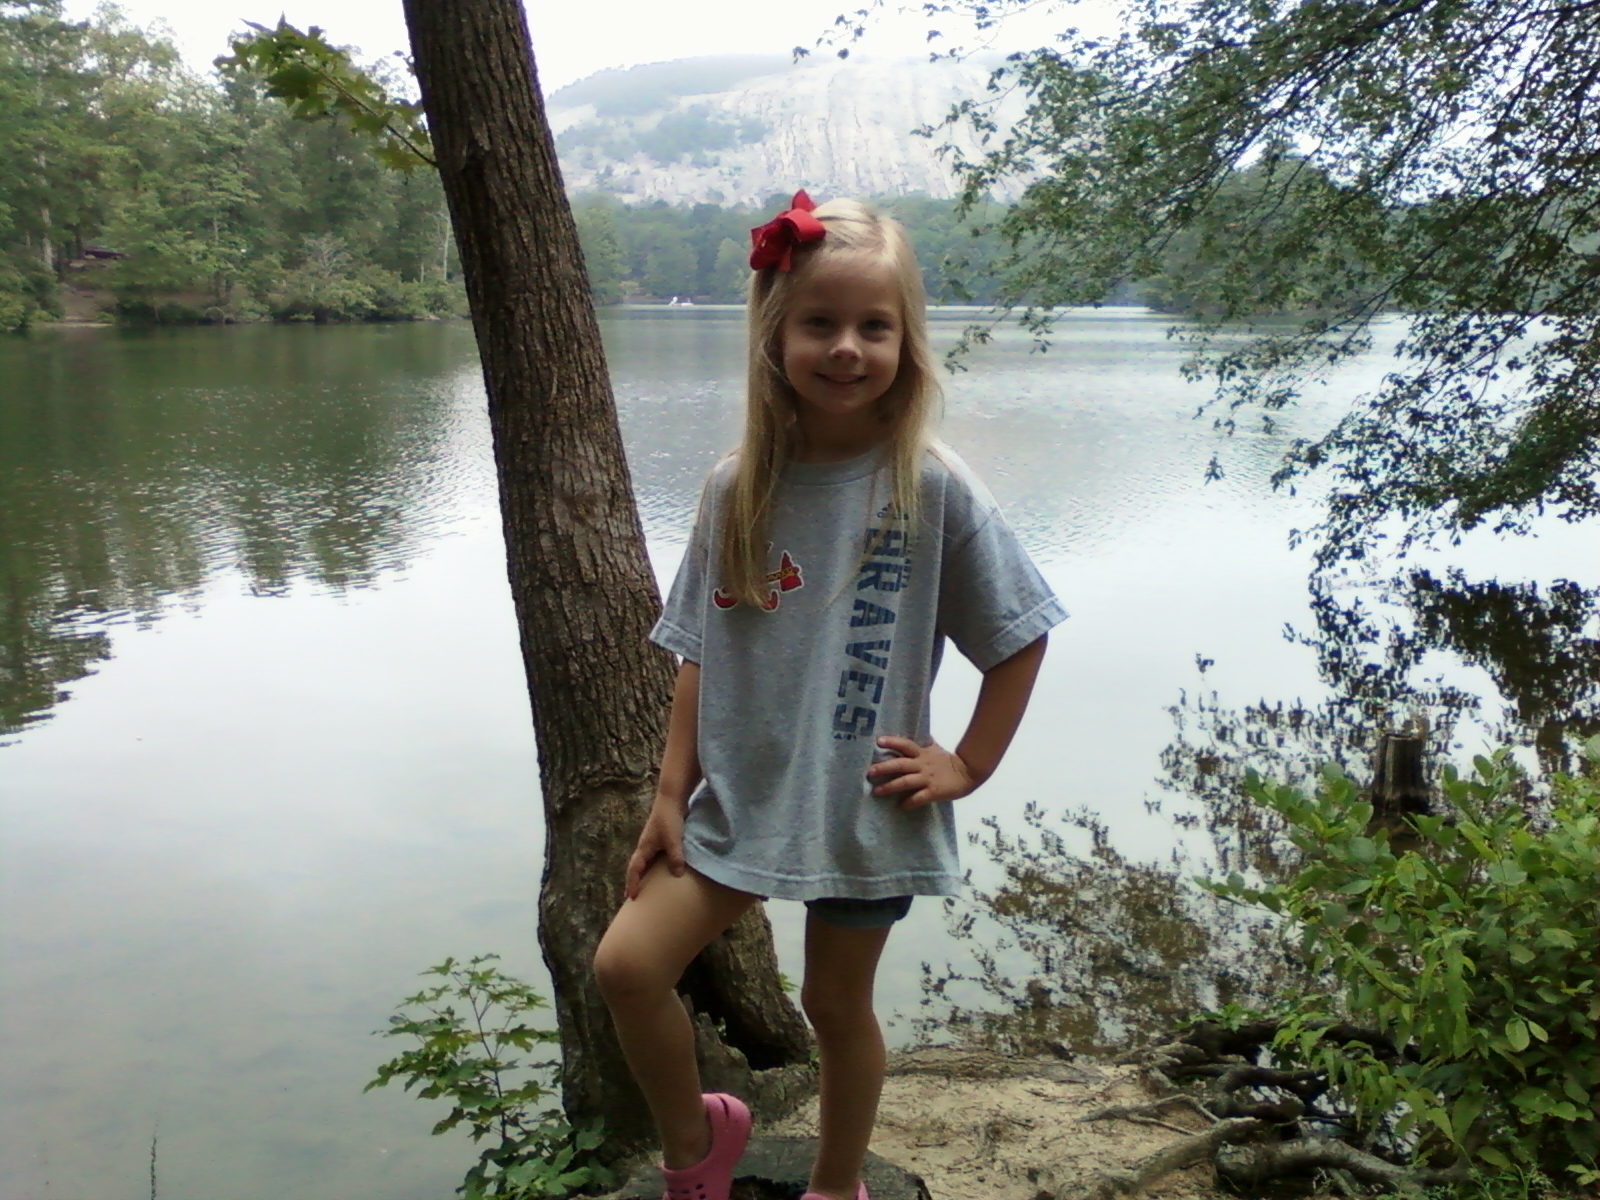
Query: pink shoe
(712, 1177)
(861, 1194)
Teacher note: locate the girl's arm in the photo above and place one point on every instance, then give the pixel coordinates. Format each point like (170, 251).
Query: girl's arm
(925, 774)
(680, 761)
(675, 782)
(1002, 700)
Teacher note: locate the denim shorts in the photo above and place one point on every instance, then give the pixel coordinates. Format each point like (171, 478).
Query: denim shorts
(860, 914)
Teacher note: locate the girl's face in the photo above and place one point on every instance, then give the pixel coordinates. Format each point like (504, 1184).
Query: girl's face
(841, 337)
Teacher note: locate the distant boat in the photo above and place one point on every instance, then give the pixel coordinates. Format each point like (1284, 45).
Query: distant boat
(680, 302)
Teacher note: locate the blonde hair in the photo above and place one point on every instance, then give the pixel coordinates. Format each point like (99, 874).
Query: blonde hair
(770, 427)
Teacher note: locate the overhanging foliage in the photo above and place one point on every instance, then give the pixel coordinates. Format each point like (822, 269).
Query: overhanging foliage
(1433, 158)
(315, 78)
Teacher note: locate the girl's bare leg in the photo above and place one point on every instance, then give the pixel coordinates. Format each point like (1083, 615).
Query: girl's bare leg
(638, 964)
(837, 997)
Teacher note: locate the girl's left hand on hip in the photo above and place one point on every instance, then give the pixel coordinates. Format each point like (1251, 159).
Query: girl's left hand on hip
(922, 774)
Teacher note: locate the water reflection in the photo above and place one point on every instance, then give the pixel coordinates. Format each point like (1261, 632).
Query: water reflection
(678, 377)
(1539, 647)
(1407, 646)
(1089, 449)
(135, 465)
(228, 857)
(1078, 944)
(1087, 952)
(1090, 951)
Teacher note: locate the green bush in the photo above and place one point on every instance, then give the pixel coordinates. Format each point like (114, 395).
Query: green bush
(335, 291)
(138, 310)
(27, 292)
(16, 313)
(393, 299)
(443, 299)
(1474, 954)
(465, 1057)
(313, 293)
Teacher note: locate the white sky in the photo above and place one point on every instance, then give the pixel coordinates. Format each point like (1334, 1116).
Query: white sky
(574, 38)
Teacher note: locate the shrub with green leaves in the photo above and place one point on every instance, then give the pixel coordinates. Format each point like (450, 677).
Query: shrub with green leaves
(27, 292)
(1474, 954)
(467, 1028)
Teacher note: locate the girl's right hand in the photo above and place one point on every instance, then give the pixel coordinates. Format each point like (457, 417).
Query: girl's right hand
(662, 835)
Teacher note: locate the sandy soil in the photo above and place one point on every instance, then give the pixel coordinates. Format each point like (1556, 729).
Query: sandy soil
(978, 1125)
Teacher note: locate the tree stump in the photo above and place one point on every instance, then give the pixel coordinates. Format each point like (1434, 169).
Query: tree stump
(1399, 788)
(777, 1168)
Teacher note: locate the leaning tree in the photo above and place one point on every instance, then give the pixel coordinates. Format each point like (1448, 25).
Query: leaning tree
(584, 592)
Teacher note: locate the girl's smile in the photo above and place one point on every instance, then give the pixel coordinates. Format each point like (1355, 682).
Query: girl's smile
(841, 350)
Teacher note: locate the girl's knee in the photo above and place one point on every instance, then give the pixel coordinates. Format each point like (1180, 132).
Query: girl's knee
(624, 975)
(832, 1010)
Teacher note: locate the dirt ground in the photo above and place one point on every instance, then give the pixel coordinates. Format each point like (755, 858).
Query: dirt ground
(86, 298)
(980, 1125)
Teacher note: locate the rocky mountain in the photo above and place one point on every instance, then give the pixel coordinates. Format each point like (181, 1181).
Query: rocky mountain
(738, 129)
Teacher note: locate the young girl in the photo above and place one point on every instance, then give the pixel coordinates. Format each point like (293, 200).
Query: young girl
(833, 554)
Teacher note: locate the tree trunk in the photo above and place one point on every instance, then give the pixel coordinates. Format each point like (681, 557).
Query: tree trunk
(1399, 788)
(585, 595)
(47, 245)
(444, 244)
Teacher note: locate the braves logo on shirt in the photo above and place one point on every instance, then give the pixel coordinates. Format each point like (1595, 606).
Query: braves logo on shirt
(883, 573)
(787, 577)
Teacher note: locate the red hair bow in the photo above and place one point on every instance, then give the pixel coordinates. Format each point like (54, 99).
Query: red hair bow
(772, 244)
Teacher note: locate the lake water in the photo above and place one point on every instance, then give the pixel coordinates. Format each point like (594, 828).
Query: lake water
(270, 751)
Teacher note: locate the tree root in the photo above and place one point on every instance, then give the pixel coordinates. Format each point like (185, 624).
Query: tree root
(1256, 1116)
(1255, 1164)
(1158, 1123)
(1188, 1151)
(1209, 1043)
(1128, 1112)
(771, 1094)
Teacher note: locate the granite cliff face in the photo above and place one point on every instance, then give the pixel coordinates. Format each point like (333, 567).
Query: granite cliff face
(836, 128)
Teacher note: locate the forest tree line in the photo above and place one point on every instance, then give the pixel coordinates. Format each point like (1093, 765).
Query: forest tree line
(132, 184)
(701, 252)
(133, 188)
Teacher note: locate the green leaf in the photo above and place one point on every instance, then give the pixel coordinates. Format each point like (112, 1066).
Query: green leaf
(1533, 1100)
(1554, 935)
(1464, 1112)
(1506, 873)
(1517, 1034)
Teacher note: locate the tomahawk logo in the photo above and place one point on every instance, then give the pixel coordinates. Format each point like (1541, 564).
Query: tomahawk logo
(787, 577)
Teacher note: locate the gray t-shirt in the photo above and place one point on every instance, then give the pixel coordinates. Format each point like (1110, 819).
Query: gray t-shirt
(794, 696)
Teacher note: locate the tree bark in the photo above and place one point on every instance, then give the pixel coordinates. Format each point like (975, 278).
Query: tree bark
(584, 592)
(1399, 789)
